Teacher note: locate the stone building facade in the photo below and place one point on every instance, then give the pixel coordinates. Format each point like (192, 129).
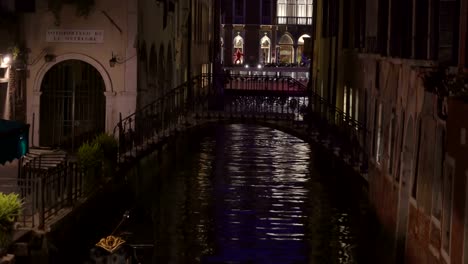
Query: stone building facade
(373, 59)
(265, 32)
(85, 67)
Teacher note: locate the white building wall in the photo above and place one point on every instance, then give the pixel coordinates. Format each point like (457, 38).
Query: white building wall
(119, 39)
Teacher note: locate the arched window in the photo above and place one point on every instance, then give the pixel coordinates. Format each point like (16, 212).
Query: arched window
(300, 50)
(265, 45)
(286, 53)
(238, 49)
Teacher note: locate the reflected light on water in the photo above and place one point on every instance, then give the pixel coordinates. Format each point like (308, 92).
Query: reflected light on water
(249, 196)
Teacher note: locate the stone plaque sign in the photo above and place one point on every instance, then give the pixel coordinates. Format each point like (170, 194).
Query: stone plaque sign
(75, 36)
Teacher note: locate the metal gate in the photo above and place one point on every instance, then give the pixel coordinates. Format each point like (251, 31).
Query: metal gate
(72, 105)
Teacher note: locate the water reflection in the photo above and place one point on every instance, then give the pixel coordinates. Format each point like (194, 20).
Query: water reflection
(247, 194)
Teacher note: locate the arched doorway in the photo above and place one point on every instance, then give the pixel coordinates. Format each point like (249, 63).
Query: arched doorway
(302, 58)
(286, 53)
(72, 104)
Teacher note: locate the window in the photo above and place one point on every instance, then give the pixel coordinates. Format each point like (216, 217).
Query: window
(356, 105)
(301, 57)
(222, 50)
(345, 100)
(416, 168)
(379, 149)
(3, 72)
(391, 142)
(25, 5)
(3, 98)
(374, 130)
(265, 44)
(447, 205)
(286, 49)
(281, 11)
(294, 12)
(238, 49)
(239, 11)
(304, 12)
(266, 11)
(438, 175)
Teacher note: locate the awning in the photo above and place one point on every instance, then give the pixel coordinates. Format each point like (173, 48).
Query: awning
(14, 137)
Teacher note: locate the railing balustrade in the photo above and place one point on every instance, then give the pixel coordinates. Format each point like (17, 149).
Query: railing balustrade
(290, 20)
(46, 187)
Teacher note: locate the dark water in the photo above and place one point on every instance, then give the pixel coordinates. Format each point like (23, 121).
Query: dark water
(247, 194)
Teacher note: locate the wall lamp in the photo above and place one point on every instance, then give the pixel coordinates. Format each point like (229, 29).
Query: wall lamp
(49, 57)
(116, 60)
(6, 59)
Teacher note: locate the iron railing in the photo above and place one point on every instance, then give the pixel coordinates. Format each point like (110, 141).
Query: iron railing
(47, 184)
(160, 118)
(241, 97)
(290, 20)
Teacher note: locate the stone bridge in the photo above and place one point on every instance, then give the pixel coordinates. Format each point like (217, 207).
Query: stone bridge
(280, 102)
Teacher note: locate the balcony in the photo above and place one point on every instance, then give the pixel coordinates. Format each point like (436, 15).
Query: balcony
(288, 20)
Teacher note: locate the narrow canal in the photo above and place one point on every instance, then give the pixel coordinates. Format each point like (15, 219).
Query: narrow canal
(248, 194)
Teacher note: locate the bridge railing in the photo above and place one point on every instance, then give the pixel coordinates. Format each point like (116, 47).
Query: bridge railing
(158, 119)
(334, 125)
(264, 97)
(265, 83)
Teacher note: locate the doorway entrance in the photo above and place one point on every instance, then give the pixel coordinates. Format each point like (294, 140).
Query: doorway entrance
(72, 105)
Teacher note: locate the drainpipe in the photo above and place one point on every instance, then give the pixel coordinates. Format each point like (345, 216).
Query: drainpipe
(310, 85)
(189, 55)
(462, 33)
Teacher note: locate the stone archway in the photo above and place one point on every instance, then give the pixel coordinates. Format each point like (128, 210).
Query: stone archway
(72, 105)
(109, 93)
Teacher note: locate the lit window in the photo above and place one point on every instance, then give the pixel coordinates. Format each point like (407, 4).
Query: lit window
(286, 49)
(238, 49)
(302, 58)
(294, 12)
(265, 44)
